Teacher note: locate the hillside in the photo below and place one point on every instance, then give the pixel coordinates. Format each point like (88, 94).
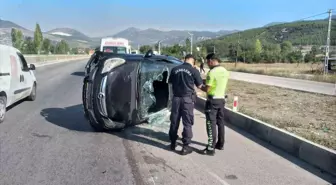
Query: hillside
(9, 24)
(151, 36)
(273, 24)
(298, 33)
(73, 37)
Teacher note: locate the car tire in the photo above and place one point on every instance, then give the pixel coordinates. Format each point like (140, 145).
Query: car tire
(3, 103)
(32, 95)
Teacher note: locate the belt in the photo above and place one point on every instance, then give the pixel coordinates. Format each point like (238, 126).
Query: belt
(215, 97)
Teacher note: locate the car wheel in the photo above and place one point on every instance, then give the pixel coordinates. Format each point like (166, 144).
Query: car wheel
(3, 102)
(32, 95)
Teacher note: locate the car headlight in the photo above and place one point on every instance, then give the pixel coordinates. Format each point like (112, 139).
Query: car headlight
(112, 63)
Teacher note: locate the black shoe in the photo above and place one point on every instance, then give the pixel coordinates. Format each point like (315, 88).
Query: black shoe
(219, 147)
(208, 152)
(173, 146)
(186, 150)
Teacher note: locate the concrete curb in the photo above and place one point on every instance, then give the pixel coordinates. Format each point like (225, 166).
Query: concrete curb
(41, 64)
(312, 153)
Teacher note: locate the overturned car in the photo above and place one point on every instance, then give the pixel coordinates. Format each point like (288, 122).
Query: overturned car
(122, 90)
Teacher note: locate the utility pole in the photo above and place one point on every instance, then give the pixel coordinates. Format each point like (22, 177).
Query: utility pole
(326, 59)
(191, 42)
(159, 47)
(214, 49)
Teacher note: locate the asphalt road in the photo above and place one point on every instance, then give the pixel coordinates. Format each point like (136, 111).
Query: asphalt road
(290, 83)
(48, 142)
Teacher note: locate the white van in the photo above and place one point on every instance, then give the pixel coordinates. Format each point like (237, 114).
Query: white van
(115, 45)
(17, 80)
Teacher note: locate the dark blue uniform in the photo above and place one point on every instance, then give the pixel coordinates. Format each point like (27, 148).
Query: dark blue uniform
(183, 79)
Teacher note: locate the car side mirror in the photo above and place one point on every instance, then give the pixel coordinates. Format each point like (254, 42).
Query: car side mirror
(32, 67)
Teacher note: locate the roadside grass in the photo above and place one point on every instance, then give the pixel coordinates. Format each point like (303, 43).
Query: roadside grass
(311, 116)
(306, 71)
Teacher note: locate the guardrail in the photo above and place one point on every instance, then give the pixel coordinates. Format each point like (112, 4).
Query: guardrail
(312, 153)
(52, 58)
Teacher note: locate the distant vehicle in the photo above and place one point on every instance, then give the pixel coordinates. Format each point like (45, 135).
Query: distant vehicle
(115, 45)
(17, 80)
(122, 90)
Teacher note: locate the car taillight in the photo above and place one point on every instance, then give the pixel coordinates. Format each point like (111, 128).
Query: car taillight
(112, 63)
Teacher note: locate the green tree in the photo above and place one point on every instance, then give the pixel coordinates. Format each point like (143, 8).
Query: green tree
(46, 46)
(143, 49)
(17, 38)
(309, 58)
(277, 49)
(74, 51)
(315, 51)
(38, 38)
(52, 49)
(62, 47)
(295, 56)
(14, 36)
(188, 44)
(258, 47)
(28, 46)
(286, 47)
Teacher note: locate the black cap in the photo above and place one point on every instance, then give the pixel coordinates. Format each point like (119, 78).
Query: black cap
(212, 56)
(188, 56)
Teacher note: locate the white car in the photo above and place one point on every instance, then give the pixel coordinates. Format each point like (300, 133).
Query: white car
(17, 80)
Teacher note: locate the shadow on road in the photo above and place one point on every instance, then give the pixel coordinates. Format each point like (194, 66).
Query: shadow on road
(72, 118)
(78, 73)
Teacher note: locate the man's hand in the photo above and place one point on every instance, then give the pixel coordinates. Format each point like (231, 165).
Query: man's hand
(203, 88)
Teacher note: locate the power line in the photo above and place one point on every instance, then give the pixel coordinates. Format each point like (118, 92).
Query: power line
(313, 16)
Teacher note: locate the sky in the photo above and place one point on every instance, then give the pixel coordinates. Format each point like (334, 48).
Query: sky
(107, 17)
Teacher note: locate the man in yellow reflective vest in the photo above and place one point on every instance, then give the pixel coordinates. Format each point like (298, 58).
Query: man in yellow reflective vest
(215, 87)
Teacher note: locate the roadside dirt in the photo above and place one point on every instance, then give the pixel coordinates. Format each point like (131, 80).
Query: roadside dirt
(309, 115)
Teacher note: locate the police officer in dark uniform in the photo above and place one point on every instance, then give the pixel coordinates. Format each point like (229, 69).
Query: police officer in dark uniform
(183, 78)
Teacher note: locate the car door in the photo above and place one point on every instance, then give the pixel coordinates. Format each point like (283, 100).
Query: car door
(15, 83)
(25, 78)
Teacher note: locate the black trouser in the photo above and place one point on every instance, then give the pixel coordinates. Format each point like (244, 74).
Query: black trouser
(214, 113)
(182, 107)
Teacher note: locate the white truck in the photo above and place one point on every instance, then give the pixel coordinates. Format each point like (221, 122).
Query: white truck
(115, 45)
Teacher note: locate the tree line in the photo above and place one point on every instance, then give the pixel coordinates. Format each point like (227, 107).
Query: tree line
(40, 45)
(248, 52)
(279, 43)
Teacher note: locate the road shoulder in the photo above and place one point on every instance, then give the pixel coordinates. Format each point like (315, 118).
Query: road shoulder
(244, 161)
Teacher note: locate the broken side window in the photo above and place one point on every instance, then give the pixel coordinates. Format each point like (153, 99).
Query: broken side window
(153, 88)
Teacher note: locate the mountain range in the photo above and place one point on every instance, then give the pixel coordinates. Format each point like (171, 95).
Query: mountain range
(136, 36)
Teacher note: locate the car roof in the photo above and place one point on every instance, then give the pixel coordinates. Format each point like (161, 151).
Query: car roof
(6, 47)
